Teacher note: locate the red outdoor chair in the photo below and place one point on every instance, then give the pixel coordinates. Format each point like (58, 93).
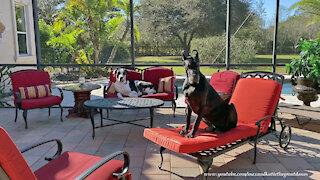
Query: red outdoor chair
(224, 83)
(255, 100)
(67, 166)
(154, 75)
(32, 89)
(169, 91)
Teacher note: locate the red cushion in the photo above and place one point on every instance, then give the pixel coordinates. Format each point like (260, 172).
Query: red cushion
(154, 74)
(69, 165)
(29, 78)
(162, 96)
(110, 96)
(255, 98)
(11, 160)
(224, 81)
(40, 102)
(171, 138)
(132, 75)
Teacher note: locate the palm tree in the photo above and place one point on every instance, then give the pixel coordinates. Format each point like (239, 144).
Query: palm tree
(309, 7)
(124, 5)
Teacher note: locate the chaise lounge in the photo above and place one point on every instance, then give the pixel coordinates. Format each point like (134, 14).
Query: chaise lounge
(255, 100)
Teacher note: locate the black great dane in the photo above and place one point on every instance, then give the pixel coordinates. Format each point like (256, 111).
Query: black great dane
(204, 101)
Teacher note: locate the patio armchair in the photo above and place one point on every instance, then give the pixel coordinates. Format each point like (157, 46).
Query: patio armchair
(32, 89)
(65, 166)
(162, 78)
(255, 100)
(224, 83)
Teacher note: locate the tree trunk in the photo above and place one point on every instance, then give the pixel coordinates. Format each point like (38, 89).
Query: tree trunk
(95, 39)
(115, 48)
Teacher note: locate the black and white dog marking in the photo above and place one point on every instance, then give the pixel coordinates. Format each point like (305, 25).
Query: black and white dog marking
(131, 88)
(204, 101)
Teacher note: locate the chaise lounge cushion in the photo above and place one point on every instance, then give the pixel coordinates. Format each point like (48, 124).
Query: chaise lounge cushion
(171, 138)
(252, 104)
(69, 165)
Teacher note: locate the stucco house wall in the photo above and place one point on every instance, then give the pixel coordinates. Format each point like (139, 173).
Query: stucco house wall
(9, 53)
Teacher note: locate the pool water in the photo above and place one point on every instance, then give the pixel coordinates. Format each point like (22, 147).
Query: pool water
(286, 88)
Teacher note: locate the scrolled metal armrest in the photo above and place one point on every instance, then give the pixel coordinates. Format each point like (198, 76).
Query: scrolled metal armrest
(59, 148)
(120, 175)
(19, 100)
(258, 123)
(61, 92)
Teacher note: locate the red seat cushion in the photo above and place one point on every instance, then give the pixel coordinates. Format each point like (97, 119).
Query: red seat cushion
(69, 165)
(171, 138)
(132, 75)
(11, 160)
(224, 81)
(162, 96)
(110, 96)
(154, 74)
(40, 102)
(255, 98)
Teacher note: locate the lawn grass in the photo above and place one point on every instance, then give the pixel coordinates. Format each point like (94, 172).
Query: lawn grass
(208, 70)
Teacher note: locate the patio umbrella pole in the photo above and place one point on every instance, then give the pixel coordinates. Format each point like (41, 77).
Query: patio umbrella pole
(275, 36)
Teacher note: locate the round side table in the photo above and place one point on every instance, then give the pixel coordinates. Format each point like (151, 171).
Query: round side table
(81, 94)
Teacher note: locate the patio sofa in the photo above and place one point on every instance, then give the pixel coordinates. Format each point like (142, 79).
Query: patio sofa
(155, 75)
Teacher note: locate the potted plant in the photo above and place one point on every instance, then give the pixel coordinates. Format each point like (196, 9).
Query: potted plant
(307, 68)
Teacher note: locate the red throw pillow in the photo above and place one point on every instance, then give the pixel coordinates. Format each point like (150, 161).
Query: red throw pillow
(166, 84)
(34, 92)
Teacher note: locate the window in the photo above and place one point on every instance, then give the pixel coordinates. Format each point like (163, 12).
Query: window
(21, 29)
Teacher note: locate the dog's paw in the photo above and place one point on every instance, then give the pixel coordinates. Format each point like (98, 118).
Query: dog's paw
(184, 131)
(218, 131)
(190, 135)
(210, 129)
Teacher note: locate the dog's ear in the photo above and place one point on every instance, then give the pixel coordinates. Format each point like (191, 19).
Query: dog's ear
(183, 55)
(197, 55)
(116, 71)
(125, 71)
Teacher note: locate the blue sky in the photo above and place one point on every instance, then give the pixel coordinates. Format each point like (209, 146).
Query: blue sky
(270, 7)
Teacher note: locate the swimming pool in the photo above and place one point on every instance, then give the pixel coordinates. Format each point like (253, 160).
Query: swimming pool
(286, 88)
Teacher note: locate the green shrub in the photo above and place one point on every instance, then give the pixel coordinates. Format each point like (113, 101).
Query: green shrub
(241, 51)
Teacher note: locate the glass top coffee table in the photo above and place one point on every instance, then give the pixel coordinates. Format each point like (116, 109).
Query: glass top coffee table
(121, 104)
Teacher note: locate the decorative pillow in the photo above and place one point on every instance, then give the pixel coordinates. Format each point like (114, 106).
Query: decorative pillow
(111, 89)
(33, 92)
(166, 84)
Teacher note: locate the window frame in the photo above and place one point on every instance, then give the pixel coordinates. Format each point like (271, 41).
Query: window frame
(25, 15)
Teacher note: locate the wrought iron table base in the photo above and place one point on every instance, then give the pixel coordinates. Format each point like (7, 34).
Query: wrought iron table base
(92, 110)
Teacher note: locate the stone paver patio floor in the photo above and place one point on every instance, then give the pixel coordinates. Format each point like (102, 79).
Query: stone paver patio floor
(303, 155)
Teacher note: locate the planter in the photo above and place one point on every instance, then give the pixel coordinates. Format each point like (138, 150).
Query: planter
(306, 89)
